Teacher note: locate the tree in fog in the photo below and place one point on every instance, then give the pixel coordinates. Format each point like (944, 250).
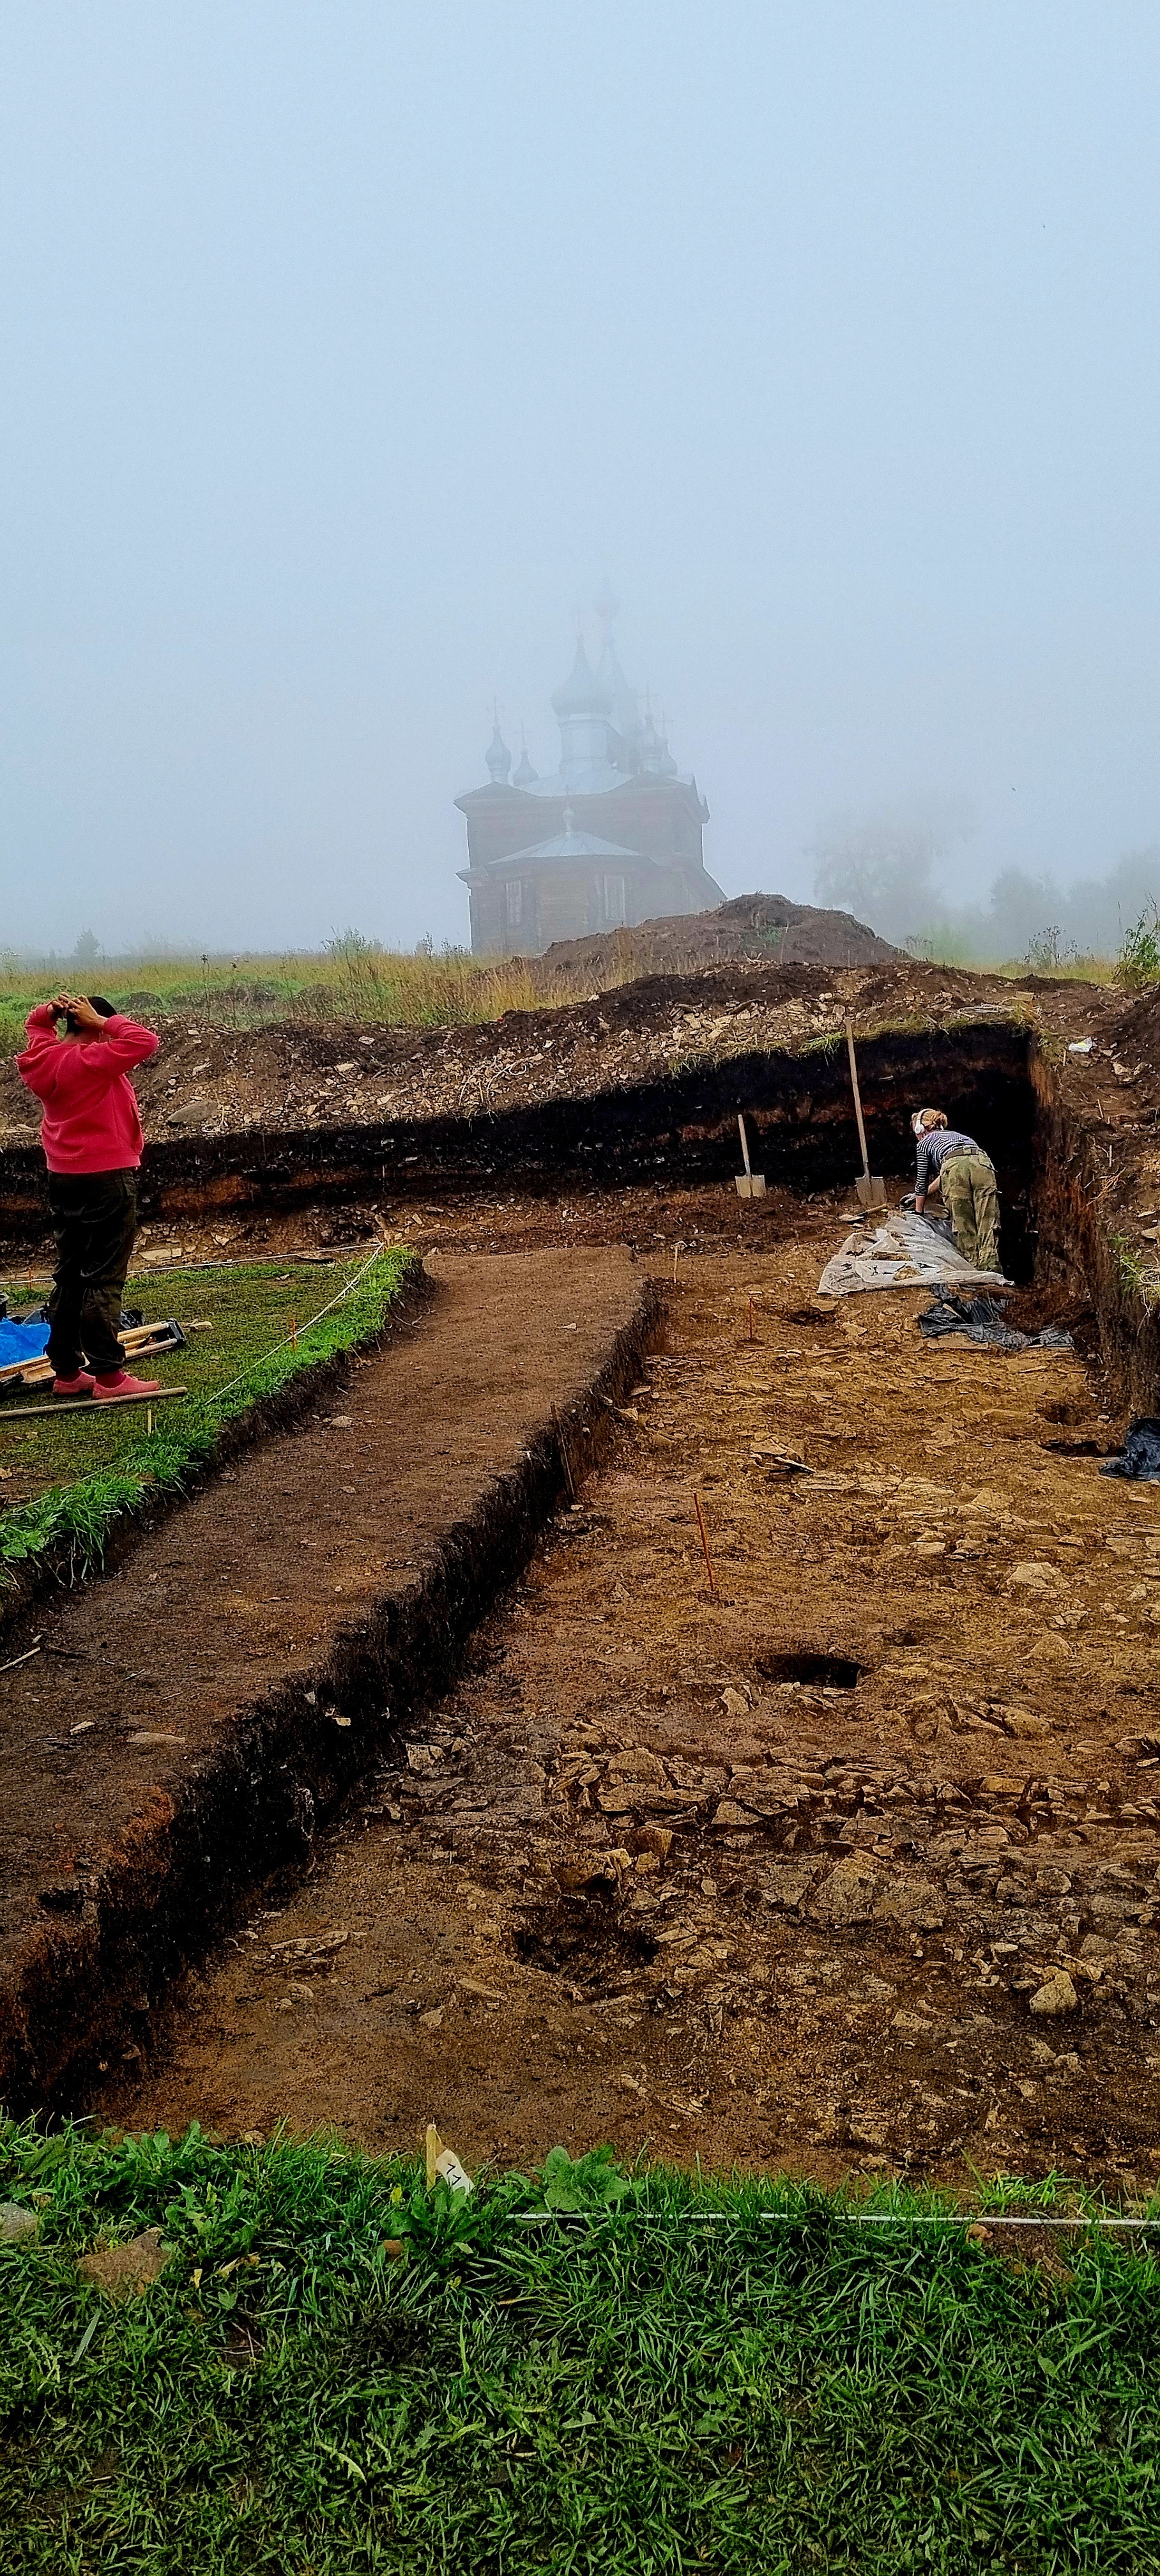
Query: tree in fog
(881, 866)
(1048, 924)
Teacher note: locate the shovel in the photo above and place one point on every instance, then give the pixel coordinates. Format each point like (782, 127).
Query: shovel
(871, 1193)
(750, 1184)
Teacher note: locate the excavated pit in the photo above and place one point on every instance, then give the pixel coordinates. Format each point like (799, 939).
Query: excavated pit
(680, 1132)
(771, 1874)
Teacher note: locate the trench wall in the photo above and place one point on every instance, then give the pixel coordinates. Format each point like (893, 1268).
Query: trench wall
(1076, 1243)
(679, 1129)
(185, 1864)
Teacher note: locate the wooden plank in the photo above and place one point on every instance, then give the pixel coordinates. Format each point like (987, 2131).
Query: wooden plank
(88, 1404)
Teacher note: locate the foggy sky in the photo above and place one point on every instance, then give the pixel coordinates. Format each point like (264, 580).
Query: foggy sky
(350, 347)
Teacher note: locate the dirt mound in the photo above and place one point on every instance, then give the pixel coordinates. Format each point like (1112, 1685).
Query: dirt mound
(765, 926)
(1137, 1031)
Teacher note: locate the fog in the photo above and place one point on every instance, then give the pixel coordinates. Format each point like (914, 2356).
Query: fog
(350, 350)
(904, 871)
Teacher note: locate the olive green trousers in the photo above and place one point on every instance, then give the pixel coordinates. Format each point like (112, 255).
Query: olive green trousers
(971, 1201)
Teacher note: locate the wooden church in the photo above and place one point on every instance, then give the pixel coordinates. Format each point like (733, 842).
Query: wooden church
(614, 836)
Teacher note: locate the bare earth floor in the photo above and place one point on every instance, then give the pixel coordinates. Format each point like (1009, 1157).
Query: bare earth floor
(775, 1876)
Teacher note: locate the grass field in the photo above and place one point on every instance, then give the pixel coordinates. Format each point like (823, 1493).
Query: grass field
(63, 1482)
(585, 2375)
(352, 979)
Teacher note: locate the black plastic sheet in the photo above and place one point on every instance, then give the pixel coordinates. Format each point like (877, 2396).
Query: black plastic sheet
(979, 1319)
(1140, 1456)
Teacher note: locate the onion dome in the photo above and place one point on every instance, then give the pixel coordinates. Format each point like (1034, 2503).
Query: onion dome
(582, 693)
(499, 759)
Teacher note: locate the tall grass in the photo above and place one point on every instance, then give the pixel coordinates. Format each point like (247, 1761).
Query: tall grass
(351, 979)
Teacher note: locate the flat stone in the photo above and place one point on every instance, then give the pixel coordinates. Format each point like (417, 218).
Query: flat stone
(913, 1902)
(15, 2223)
(637, 1763)
(728, 1813)
(1057, 1996)
(127, 2271)
(847, 1895)
(790, 1886)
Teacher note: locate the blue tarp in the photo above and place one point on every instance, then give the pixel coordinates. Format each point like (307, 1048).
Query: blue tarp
(20, 1341)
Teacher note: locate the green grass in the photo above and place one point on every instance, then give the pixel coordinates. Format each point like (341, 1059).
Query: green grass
(66, 1481)
(585, 2375)
(1138, 1273)
(1138, 963)
(350, 980)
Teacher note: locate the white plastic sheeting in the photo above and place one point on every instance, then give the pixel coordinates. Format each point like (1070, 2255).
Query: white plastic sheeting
(908, 1251)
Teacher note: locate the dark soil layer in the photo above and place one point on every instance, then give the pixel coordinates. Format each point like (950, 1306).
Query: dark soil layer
(682, 1125)
(762, 928)
(773, 1873)
(188, 1721)
(212, 1098)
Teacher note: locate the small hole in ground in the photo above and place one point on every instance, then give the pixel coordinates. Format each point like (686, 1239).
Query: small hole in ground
(584, 1935)
(826, 1672)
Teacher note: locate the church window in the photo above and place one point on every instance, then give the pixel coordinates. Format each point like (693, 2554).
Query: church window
(613, 895)
(513, 902)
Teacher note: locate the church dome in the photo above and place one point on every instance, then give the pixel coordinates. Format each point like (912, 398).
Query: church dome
(499, 759)
(582, 693)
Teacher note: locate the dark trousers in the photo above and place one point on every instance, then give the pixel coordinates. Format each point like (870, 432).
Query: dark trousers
(94, 1218)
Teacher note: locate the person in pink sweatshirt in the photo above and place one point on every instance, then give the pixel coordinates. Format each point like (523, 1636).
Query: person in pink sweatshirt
(91, 1134)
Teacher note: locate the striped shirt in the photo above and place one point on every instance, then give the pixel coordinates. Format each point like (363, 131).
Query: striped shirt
(933, 1149)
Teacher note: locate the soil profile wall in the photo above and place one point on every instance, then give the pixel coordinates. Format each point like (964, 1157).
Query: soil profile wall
(682, 1130)
(1077, 1242)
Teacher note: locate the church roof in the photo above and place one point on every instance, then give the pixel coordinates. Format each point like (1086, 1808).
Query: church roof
(571, 844)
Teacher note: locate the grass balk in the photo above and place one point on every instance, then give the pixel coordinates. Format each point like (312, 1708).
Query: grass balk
(339, 2370)
(73, 1519)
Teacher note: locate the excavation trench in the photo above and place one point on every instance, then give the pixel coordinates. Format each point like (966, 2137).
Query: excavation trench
(186, 1725)
(681, 1131)
(772, 1869)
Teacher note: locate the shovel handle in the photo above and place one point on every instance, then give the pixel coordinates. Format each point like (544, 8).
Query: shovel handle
(744, 1146)
(857, 1100)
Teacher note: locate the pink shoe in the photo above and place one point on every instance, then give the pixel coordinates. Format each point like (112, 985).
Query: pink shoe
(113, 1390)
(81, 1384)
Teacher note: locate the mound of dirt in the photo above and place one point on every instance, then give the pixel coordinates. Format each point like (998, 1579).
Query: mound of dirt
(759, 926)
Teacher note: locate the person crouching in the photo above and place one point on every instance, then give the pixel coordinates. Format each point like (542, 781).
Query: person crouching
(91, 1134)
(954, 1164)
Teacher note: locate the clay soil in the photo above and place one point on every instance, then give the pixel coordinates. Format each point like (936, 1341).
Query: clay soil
(769, 1873)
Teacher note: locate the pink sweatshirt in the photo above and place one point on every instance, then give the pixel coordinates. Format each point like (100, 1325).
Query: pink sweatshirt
(91, 1120)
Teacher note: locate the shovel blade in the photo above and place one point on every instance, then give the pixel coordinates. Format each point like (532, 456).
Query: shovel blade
(750, 1185)
(871, 1192)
